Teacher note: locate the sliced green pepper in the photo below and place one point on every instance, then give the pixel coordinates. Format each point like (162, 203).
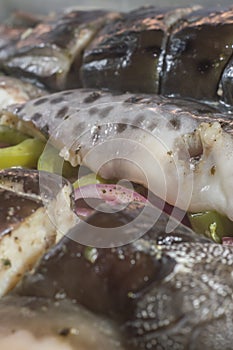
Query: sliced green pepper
(212, 225)
(24, 154)
(11, 136)
(51, 161)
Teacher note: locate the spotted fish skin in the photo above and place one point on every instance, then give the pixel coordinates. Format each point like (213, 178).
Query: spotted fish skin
(188, 146)
(49, 112)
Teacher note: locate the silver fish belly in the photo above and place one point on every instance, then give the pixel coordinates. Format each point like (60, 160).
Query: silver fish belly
(179, 150)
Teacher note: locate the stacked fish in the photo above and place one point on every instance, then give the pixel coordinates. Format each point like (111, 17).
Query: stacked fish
(91, 261)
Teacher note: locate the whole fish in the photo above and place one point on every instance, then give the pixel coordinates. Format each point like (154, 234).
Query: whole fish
(181, 151)
(164, 292)
(148, 50)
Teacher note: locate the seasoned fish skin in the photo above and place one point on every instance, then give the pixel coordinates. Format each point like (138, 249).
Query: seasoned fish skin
(48, 112)
(25, 20)
(8, 39)
(126, 55)
(172, 297)
(153, 54)
(148, 50)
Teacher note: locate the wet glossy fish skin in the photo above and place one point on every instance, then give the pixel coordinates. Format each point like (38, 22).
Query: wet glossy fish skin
(48, 112)
(147, 50)
(198, 50)
(128, 54)
(62, 38)
(13, 31)
(25, 20)
(226, 85)
(8, 39)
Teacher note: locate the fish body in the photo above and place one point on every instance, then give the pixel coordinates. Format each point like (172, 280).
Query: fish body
(198, 50)
(181, 151)
(168, 293)
(147, 50)
(163, 291)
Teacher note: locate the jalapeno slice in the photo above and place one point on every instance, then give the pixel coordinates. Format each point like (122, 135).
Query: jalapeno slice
(24, 154)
